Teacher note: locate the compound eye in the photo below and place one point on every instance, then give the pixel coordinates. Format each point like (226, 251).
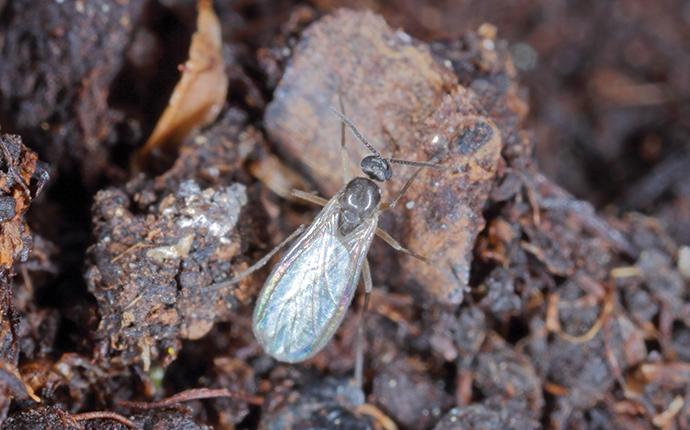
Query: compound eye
(376, 168)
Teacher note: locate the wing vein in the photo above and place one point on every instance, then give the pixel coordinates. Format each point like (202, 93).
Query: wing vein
(298, 317)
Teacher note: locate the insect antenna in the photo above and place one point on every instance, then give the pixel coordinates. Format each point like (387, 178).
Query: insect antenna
(356, 132)
(420, 165)
(371, 148)
(416, 163)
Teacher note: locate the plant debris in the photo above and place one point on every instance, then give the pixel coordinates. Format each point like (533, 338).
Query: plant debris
(199, 95)
(22, 177)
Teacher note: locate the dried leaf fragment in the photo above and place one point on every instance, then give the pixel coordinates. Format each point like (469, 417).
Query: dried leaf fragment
(199, 95)
(18, 167)
(12, 381)
(277, 176)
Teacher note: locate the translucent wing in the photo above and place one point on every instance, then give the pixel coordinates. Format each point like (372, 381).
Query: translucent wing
(308, 292)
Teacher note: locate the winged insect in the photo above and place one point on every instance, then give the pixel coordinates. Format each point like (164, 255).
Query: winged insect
(308, 292)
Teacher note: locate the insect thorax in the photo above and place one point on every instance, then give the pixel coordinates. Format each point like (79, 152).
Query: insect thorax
(358, 201)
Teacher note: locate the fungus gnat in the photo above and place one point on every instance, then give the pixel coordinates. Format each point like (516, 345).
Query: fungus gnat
(308, 292)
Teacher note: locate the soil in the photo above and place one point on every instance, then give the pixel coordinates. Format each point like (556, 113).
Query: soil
(553, 288)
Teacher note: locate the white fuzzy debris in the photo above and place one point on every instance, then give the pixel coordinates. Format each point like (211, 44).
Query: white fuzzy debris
(177, 251)
(404, 37)
(215, 210)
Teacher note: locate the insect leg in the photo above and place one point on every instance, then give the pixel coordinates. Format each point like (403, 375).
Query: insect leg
(359, 347)
(403, 190)
(420, 165)
(396, 245)
(345, 160)
(262, 262)
(309, 197)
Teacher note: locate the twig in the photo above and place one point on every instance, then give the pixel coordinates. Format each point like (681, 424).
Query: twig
(611, 356)
(553, 322)
(382, 419)
(86, 416)
(14, 383)
(555, 389)
(128, 250)
(532, 199)
(665, 418)
(192, 394)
